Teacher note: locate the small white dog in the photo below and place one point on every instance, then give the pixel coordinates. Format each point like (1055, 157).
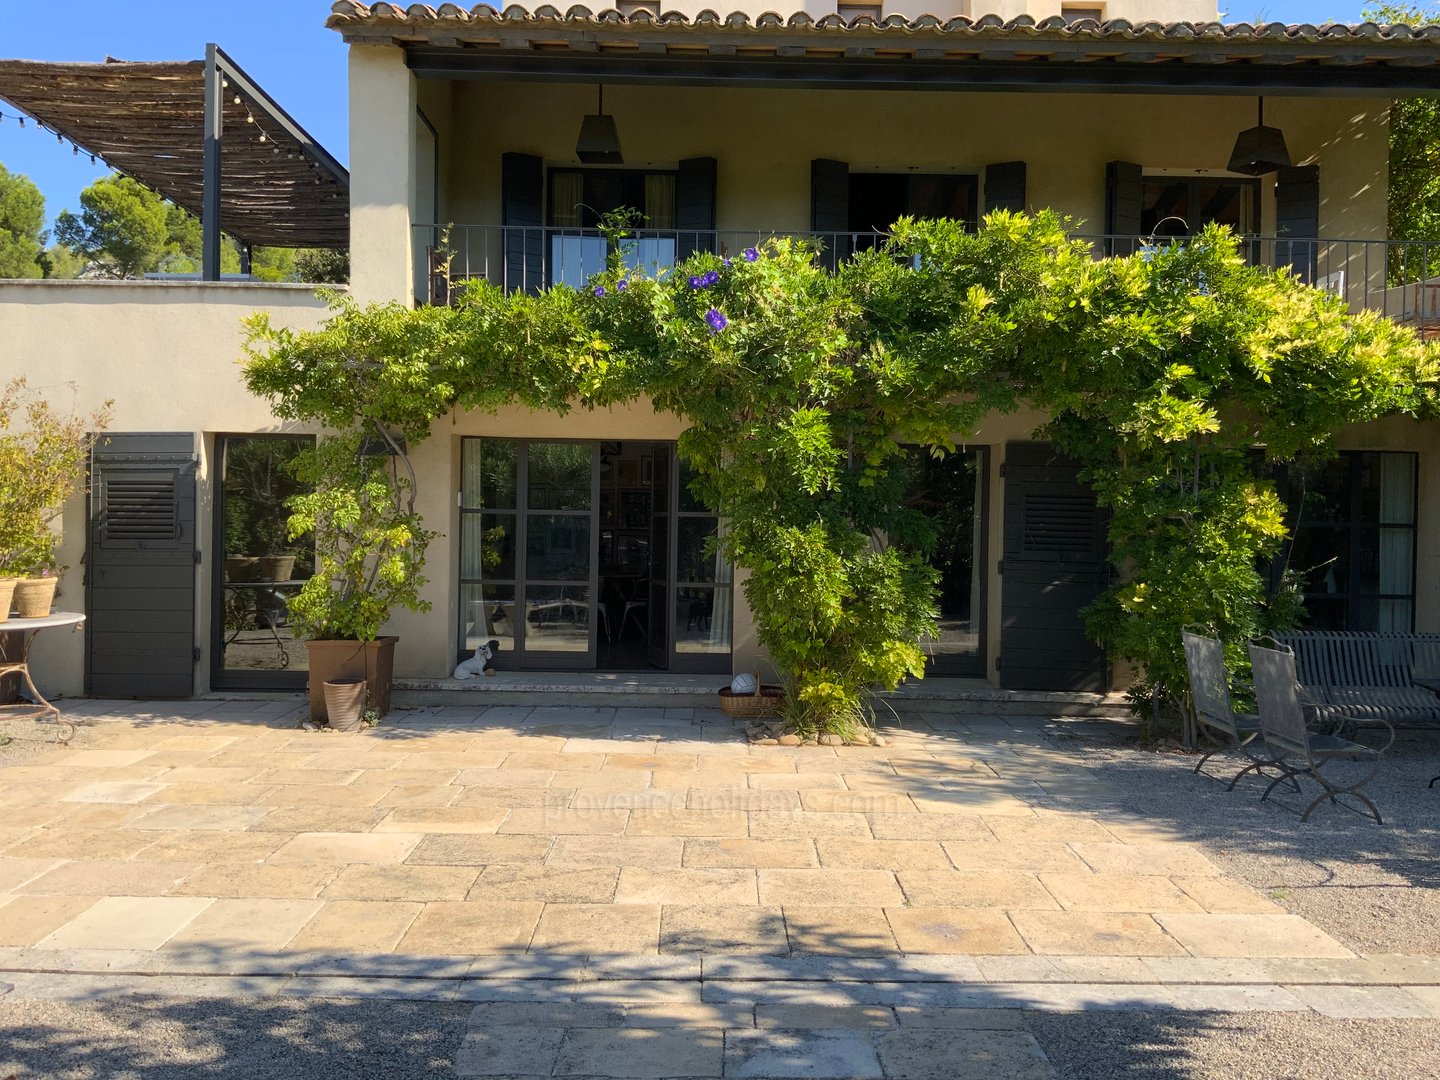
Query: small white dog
(481, 662)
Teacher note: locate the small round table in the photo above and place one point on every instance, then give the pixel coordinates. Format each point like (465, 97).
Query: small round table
(28, 628)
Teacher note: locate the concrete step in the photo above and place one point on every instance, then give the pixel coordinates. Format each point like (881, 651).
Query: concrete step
(666, 690)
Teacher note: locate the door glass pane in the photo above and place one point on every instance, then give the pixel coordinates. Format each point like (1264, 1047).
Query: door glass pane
(948, 490)
(487, 547)
(693, 564)
(702, 620)
(488, 474)
(576, 259)
(557, 618)
(559, 476)
(557, 547)
(487, 613)
(263, 567)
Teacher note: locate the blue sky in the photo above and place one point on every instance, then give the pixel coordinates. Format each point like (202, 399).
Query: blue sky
(284, 45)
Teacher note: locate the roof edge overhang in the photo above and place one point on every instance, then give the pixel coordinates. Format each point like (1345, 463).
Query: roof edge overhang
(1114, 56)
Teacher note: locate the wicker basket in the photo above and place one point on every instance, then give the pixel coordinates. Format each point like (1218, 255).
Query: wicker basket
(765, 701)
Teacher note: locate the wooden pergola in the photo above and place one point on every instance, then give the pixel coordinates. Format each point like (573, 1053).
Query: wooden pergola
(201, 133)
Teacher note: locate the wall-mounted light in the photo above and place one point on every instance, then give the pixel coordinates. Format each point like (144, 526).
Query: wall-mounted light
(1260, 149)
(599, 142)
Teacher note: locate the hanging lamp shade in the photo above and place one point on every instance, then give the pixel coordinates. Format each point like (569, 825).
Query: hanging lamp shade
(1260, 149)
(599, 142)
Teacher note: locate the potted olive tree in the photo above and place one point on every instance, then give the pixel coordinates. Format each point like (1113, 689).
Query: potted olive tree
(44, 455)
(369, 553)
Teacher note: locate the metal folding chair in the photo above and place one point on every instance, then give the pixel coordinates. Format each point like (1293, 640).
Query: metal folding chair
(1297, 751)
(1215, 713)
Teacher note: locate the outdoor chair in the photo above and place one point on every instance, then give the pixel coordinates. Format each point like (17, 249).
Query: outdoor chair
(1215, 714)
(1297, 751)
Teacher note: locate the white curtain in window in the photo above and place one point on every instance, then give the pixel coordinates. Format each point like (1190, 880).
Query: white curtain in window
(659, 201)
(567, 192)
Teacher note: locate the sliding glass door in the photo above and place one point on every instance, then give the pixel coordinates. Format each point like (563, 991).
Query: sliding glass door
(586, 555)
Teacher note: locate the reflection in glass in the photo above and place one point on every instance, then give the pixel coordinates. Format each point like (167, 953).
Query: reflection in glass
(487, 613)
(487, 547)
(693, 564)
(557, 547)
(702, 620)
(557, 618)
(264, 568)
(559, 476)
(488, 474)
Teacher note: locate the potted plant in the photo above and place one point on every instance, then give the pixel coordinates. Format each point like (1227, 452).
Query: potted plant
(369, 553)
(44, 456)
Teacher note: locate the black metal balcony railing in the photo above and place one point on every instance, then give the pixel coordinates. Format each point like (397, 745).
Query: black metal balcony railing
(1399, 279)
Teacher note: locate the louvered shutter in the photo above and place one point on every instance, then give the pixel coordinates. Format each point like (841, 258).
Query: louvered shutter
(140, 567)
(695, 189)
(1297, 219)
(1056, 562)
(522, 212)
(1005, 187)
(1124, 202)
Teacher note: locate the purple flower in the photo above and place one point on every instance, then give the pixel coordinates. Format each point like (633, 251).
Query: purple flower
(716, 320)
(711, 277)
(621, 286)
(751, 254)
(727, 262)
(697, 283)
(599, 290)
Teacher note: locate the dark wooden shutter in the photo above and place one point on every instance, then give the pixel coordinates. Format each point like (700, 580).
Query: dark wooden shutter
(1124, 201)
(1055, 563)
(140, 567)
(1005, 187)
(522, 212)
(695, 205)
(830, 208)
(1297, 219)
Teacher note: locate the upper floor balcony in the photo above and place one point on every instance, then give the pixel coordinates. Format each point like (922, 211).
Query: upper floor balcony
(1398, 279)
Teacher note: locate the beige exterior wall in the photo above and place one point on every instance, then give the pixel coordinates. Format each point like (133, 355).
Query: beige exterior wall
(764, 141)
(167, 354)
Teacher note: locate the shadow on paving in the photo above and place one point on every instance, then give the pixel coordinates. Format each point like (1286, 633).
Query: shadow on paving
(187, 1038)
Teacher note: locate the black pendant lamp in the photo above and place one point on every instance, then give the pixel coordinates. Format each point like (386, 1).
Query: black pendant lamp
(599, 142)
(1260, 149)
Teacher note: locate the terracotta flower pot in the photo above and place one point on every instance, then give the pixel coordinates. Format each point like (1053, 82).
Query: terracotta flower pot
(345, 703)
(274, 567)
(35, 596)
(241, 567)
(7, 595)
(372, 661)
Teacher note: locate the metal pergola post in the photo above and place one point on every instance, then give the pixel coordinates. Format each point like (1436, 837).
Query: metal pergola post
(210, 199)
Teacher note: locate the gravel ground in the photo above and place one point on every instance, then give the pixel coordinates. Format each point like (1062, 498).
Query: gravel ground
(189, 1038)
(1235, 1046)
(1374, 888)
(22, 737)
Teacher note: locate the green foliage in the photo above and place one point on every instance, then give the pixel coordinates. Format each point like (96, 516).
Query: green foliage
(44, 455)
(1414, 195)
(803, 389)
(22, 226)
(321, 266)
(122, 229)
(369, 542)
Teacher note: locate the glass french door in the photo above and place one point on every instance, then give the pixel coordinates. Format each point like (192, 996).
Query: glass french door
(585, 555)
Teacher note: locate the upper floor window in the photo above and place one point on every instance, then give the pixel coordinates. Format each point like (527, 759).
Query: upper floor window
(1075, 12)
(630, 7)
(1182, 205)
(580, 198)
(878, 199)
(849, 9)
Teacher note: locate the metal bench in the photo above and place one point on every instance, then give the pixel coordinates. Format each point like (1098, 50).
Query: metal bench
(1356, 680)
(1215, 714)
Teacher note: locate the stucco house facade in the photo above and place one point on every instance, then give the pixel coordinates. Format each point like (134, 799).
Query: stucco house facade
(571, 539)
